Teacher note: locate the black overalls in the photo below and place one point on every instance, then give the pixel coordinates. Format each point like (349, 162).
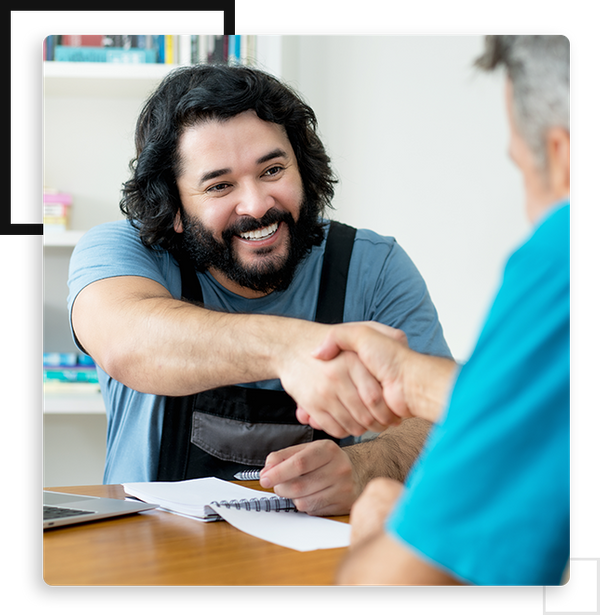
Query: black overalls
(224, 430)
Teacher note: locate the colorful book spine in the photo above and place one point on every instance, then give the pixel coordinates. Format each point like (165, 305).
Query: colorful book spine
(57, 209)
(162, 49)
(120, 55)
(73, 374)
(67, 367)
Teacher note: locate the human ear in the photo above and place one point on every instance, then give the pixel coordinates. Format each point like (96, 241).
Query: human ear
(177, 225)
(558, 150)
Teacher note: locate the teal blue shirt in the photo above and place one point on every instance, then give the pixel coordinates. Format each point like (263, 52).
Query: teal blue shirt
(383, 285)
(488, 499)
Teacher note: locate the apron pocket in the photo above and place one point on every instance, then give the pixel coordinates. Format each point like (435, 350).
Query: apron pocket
(241, 442)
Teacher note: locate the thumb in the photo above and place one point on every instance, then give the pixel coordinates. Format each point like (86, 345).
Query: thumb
(327, 350)
(305, 418)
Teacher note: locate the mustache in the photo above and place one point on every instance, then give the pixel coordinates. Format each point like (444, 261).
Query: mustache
(247, 223)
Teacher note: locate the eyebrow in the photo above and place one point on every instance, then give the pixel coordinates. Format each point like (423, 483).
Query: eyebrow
(213, 174)
(276, 153)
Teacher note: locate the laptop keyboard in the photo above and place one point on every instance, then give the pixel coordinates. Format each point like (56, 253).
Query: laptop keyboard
(60, 512)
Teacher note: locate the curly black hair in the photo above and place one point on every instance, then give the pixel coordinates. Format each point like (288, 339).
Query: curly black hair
(192, 94)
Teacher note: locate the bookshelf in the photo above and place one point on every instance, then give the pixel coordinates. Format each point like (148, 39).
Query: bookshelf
(95, 102)
(115, 84)
(65, 239)
(89, 115)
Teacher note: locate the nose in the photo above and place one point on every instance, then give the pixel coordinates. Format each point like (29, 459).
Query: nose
(254, 200)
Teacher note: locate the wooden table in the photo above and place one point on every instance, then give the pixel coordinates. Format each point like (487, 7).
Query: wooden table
(160, 548)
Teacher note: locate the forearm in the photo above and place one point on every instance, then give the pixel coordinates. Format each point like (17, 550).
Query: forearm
(153, 343)
(182, 349)
(391, 454)
(427, 381)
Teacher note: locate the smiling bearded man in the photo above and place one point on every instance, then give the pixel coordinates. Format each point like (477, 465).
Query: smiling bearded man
(202, 309)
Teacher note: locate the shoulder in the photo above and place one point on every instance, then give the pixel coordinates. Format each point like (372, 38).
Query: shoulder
(550, 238)
(372, 249)
(113, 239)
(381, 256)
(115, 249)
(113, 233)
(368, 238)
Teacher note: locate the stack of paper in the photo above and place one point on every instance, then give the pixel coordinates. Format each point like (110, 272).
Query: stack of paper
(193, 498)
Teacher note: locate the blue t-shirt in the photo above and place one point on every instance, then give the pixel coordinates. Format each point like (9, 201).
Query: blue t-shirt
(383, 285)
(488, 499)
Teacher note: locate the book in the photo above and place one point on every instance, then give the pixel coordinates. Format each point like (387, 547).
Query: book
(67, 359)
(57, 207)
(69, 367)
(71, 374)
(82, 40)
(121, 55)
(207, 499)
(190, 499)
(184, 49)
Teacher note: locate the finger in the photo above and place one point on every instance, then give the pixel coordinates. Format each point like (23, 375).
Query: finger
(295, 461)
(357, 337)
(305, 419)
(369, 512)
(396, 334)
(335, 420)
(350, 336)
(333, 416)
(328, 350)
(372, 396)
(339, 410)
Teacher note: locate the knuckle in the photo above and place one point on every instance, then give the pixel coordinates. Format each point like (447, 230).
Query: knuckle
(372, 398)
(300, 464)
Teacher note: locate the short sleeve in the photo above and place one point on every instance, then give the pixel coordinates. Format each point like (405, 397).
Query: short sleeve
(112, 250)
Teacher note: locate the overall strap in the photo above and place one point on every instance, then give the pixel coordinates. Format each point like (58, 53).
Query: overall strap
(178, 457)
(190, 285)
(334, 275)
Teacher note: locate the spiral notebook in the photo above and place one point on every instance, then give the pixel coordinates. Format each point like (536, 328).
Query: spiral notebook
(265, 516)
(204, 498)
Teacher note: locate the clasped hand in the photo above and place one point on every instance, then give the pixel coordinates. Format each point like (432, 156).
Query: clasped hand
(358, 386)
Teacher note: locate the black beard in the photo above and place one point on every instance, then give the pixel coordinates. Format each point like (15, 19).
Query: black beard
(276, 273)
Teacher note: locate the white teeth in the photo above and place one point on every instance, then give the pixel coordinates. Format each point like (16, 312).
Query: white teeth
(260, 233)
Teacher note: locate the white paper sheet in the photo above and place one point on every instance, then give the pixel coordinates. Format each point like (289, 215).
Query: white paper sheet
(294, 530)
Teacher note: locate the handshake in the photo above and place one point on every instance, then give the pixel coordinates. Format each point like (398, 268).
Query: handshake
(368, 379)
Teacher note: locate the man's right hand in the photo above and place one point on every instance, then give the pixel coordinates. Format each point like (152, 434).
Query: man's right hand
(413, 384)
(343, 396)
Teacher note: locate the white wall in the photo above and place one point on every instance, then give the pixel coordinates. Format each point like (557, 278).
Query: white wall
(419, 141)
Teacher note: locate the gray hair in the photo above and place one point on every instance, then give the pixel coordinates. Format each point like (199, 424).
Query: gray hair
(538, 68)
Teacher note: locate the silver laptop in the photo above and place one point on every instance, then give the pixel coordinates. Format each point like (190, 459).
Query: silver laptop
(66, 509)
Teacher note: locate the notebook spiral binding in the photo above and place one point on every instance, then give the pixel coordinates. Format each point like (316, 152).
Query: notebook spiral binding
(274, 503)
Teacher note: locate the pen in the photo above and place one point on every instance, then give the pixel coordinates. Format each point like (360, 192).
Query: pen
(247, 475)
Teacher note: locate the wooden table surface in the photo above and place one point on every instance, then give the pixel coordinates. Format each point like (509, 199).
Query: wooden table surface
(160, 548)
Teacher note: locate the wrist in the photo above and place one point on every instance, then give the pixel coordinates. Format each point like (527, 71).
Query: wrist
(426, 382)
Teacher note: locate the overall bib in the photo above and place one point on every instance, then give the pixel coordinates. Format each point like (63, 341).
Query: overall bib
(232, 428)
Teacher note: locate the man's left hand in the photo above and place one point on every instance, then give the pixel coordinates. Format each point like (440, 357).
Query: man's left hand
(317, 475)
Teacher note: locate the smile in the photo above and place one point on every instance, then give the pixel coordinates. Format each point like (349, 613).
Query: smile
(260, 234)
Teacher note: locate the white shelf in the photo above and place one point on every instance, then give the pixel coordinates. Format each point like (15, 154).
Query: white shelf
(63, 239)
(101, 79)
(104, 70)
(73, 403)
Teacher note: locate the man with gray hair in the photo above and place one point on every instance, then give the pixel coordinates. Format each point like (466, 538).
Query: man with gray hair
(487, 503)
